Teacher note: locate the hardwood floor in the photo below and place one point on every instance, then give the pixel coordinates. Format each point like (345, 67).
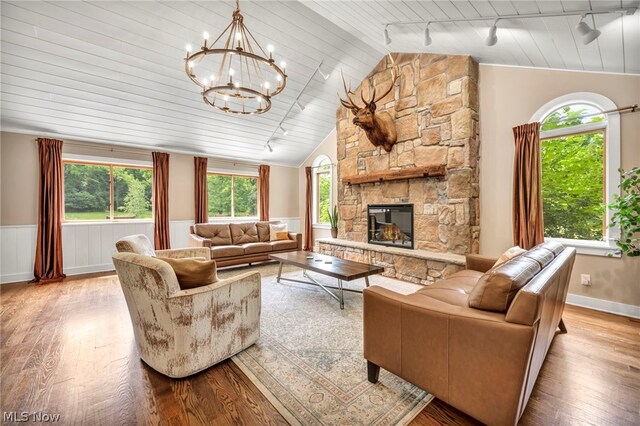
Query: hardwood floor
(68, 349)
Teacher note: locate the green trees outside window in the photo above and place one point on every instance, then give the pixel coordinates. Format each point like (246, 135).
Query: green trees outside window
(573, 171)
(324, 197)
(90, 188)
(232, 196)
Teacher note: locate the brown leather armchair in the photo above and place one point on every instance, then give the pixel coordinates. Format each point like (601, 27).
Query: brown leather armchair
(483, 363)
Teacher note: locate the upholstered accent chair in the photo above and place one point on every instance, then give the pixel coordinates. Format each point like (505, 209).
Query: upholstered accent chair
(181, 332)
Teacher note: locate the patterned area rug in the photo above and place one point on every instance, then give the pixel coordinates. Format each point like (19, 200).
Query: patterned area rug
(308, 361)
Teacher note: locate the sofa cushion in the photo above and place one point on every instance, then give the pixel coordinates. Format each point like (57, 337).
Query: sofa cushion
(263, 231)
(454, 290)
(219, 234)
(250, 248)
(226, 251)
(243, 233)
(274, 229)
(553, 246)
(512, 252)
(284, 245)
(541, 255)
(193, 272)
(496, 289)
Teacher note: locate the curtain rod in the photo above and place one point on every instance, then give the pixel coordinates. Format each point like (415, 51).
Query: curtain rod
(629, 108)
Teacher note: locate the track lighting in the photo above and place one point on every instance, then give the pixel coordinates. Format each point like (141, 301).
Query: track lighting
(588, 34)
(322, 73)
(492, 38)
(387, 39)
(283, 130)
(427, 37)
(269, 146)
(299, 105)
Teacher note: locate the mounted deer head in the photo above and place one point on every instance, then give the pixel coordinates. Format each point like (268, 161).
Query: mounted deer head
(380, 128)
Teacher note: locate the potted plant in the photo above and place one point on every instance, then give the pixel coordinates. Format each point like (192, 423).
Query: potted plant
(626, 212)
(333, 220)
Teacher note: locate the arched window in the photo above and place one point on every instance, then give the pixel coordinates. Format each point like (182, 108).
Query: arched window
(322, 190)
(580, 152)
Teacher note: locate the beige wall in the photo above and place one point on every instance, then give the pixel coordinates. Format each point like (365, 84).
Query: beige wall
(509, 96)
(327, 147)
(19, 179)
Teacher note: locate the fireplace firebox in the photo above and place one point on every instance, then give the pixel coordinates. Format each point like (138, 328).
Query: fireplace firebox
(390, 225)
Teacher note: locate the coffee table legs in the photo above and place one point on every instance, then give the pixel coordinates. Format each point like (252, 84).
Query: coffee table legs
(280, 272)
(341, 294)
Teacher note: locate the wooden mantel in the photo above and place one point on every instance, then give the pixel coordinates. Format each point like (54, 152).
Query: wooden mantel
(399, 174)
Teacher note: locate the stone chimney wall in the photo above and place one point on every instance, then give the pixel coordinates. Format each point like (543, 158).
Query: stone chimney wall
(435, 107)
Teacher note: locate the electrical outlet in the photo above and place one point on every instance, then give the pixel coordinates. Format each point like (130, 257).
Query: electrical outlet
(585, 279)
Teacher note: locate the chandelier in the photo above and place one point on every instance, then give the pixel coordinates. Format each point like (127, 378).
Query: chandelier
(232, 76)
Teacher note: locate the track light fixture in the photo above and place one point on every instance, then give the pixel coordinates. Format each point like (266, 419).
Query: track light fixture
(427, 37)
(299, 105)
(322, 73)
(387, 39)
(269, 146)
(492, 38)
(588, 34)
(283, 130)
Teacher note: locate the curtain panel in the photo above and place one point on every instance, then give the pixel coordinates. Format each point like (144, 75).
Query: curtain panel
(201, 194)
(528, 229)
(48, 265)
(161, 200)
(308, 227)
(263, 172)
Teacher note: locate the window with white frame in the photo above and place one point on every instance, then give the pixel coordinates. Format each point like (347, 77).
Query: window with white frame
(232, 196)
(580, 154)
(322, 190)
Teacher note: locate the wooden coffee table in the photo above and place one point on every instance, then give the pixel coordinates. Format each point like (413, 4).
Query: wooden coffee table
(343, 270)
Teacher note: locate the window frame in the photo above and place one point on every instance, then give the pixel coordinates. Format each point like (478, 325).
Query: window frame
(611, 128)
(111, 165)
(233, 217)
(316, 172)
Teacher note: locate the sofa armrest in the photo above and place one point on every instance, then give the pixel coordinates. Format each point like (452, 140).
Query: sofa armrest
(196, 240)
(480, 263)
(185, 252)
(469, 358)
(297, 236)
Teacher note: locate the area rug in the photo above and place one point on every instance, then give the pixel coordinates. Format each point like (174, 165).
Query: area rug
(308, 361)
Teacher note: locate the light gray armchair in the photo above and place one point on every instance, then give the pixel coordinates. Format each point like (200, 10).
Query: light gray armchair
(181, 332)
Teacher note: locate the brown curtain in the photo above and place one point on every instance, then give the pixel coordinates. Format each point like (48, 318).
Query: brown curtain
(308, 229)
(201, 194)
(48, 264)
(264, 171)
(527, 192)
(161, 200)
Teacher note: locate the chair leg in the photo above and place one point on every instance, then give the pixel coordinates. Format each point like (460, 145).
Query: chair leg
(373, 372)
(562, 327)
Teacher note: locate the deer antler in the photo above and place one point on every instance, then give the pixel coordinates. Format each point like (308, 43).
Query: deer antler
(394, 77)
(350, 103)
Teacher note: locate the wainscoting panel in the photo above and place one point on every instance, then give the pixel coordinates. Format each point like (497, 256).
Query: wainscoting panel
(87, 247)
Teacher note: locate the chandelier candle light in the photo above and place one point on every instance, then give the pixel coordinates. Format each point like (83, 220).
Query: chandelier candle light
(232, 76)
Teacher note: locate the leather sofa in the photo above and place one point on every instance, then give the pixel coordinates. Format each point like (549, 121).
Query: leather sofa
(237, 243)
(482, 362)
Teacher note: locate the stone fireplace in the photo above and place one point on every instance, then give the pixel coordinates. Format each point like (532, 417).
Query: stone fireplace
(435, 108)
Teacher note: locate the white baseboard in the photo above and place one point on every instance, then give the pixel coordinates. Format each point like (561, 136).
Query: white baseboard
(89, 269)
(604, 305)
(14, 278)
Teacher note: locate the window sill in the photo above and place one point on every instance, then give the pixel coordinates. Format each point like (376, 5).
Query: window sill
(592, 248)
(233, 219)
(105, 222)
(321, 226)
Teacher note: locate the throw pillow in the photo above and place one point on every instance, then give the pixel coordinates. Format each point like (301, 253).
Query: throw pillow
(274, 229)
(509, 254)
(280, 236)
(193, 272)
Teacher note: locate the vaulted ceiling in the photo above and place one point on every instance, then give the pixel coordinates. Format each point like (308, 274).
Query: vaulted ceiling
(112, 72)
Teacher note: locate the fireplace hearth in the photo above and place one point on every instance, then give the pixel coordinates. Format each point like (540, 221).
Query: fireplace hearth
(390, 225)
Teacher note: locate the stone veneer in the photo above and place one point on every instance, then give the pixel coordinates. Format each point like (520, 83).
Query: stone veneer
(435, 107)
(417, 266)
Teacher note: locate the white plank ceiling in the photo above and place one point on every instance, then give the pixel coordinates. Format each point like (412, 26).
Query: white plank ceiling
(112, 72)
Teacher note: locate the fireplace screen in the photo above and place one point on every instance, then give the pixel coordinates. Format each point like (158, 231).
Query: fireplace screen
(391, 224)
